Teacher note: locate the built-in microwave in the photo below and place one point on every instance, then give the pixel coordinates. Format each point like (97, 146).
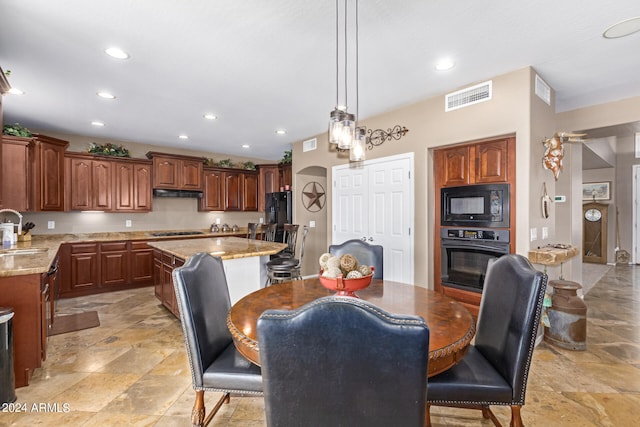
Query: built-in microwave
(481, 205)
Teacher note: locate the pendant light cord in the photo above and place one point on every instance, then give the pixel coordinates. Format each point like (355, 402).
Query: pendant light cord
(337, 60)
(357, 69)
(346, 91)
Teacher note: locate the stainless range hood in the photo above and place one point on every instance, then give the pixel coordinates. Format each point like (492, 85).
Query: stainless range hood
(177, 193)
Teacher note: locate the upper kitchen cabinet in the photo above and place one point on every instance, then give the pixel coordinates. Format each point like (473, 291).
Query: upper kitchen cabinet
(108, 184)
(285, 174)
(132, 186)
(268, 182)
(213, 193)
(477, 163)
(250, 191)
(176, 172)
(90, 182)
(15, 172)
(46, 158)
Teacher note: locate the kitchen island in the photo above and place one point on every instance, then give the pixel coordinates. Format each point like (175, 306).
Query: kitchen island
(243, 259)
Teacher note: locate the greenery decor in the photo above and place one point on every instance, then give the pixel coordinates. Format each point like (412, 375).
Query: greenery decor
(287, 157)
(226, 163)
(16, 130)
(108, 150)
(248, 166)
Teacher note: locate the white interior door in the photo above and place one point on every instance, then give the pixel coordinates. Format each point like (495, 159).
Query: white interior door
(374, 202)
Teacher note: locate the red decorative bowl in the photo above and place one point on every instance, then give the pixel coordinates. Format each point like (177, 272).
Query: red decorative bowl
(345, 287)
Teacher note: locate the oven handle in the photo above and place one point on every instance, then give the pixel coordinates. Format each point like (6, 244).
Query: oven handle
(502, 247)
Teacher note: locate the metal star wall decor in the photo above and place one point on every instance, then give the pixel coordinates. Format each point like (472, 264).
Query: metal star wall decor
(313, 196)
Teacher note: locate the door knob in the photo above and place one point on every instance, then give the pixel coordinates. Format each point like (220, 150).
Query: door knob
(370, 239)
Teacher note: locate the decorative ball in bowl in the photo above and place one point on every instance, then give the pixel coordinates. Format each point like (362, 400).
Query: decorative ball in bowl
(344, 275)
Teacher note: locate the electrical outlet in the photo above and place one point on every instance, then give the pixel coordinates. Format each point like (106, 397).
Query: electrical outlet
(545, 233)
(51, 225)
(534, 234)
(127, 223)
(217, 220)
(312, 224)
(261, 220)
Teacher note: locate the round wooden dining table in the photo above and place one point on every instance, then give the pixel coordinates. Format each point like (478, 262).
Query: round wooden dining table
(451, 326)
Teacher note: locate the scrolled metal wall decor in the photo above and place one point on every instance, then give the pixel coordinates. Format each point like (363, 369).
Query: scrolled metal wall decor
(379, 136)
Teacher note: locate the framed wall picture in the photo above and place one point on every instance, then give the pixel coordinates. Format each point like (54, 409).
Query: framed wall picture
(596, 190)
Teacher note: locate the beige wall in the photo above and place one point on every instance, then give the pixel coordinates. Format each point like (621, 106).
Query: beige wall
(509, 112)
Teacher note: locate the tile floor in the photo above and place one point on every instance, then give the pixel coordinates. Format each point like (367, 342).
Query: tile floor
(133, 370)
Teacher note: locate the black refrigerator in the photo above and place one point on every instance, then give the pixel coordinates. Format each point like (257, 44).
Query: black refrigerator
(278, 210)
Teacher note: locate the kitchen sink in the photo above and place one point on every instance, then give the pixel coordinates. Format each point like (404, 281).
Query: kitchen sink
(176, 233)
(22, 251)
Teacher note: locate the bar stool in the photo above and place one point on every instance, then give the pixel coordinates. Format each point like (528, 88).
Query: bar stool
(269, 232)
(290, 237)
(285, 269)
(252, 230)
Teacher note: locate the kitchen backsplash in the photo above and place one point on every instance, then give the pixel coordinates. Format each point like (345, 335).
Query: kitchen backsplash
(167, 214)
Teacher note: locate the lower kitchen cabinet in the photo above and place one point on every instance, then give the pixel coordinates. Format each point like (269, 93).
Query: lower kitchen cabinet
(164, 264)
(89, 268)
(28, 295)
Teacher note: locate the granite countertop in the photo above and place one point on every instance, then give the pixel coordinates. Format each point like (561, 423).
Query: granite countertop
(16, 265)
(553, 254)
(224, 247)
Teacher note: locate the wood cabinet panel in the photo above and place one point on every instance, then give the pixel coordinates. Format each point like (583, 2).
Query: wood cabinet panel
(176, 172)
(454, 166)
(84, 268)
(114, 264)
(164, 264)
(285, 175)
(490, 162)
(47, 173)
(25, 295)
(141, 263)
(132, 186)
(213, 194)
(90, 183)
(268, 182)
(232, 191)
(250, 191)
(15, 172)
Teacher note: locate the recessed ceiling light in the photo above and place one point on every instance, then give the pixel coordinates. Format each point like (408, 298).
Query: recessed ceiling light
(183, 136)
(281, 131)
(210, 116)
(246, 146)
(116, 52)
(15, 91)
(106, 95)
(97, 123)
(445, 64)
(622, 28)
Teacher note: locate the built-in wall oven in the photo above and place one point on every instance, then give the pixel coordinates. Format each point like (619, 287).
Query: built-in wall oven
(466, 253)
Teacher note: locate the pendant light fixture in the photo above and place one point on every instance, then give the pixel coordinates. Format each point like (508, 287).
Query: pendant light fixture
(342, 124)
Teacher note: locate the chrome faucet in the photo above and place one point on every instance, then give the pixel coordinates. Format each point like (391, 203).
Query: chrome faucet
(19, 217)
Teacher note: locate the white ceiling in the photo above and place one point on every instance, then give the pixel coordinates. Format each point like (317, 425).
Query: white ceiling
(263, 65)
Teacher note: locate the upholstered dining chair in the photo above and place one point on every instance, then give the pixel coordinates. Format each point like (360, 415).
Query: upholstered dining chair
(364, 253)
(494, 371)
(341, 361)
(203, 301)
(283, 269)
(252, 230)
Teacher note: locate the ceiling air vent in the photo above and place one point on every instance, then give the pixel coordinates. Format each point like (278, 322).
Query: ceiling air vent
(469, 96)
(309, 144)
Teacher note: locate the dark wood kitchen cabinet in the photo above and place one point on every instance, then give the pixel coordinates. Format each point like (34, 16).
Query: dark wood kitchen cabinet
(114, 264)
(15, 172)
(4, 88)
(90, 268)
(47, 164)
(164, 264)
(268, 182)
(176, 172)
(479, 163)
(89, 182)
(28, 295)
(285, 175)
(232, 181)
(213, 193)
(132, 192)
(250, 191)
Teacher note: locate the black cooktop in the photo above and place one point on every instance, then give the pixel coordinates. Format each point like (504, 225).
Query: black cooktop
(176, 233)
